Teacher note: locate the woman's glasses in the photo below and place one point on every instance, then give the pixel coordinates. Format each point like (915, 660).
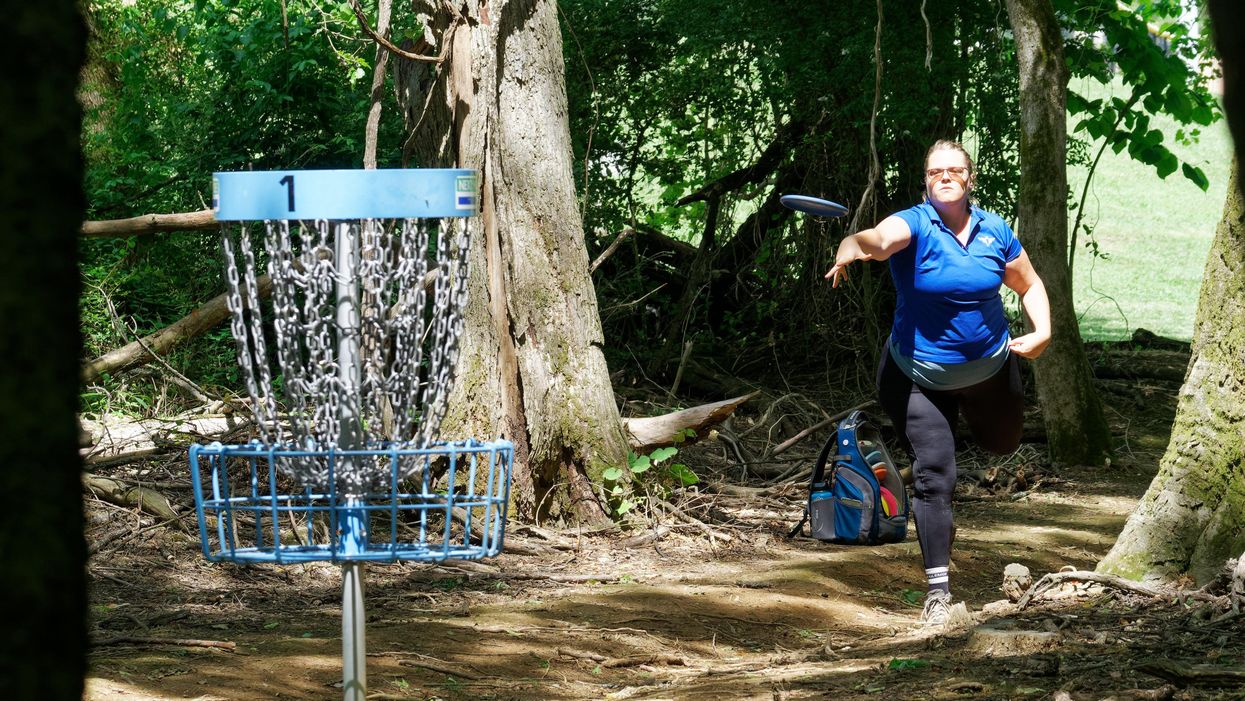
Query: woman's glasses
(958, 172)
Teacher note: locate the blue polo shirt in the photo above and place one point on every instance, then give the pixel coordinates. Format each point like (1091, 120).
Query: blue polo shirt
(948, 308)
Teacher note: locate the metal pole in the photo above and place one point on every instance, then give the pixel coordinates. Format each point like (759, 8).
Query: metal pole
(353, 522)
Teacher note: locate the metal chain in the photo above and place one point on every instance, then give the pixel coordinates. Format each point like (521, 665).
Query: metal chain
(407, 339)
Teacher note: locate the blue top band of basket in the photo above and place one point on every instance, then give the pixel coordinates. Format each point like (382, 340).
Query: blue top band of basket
(345, 194)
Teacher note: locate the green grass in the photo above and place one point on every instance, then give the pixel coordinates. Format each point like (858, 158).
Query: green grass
(1156, 234)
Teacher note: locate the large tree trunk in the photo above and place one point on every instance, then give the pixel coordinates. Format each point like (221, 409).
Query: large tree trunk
(1190, 520)
(531, 367)
(1227, 18)
(42, 550)
(1076, 428)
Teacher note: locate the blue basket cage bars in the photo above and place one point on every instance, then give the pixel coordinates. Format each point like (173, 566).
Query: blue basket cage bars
(250, 512)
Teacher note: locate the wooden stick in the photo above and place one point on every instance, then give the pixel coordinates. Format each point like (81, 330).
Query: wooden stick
(140, 352)
(678, 375)
(673, 660)
(820, 425)
(645, 538)
(610, 250)
(367, 29)
(580, 655)
(182, 642)
(448, 671)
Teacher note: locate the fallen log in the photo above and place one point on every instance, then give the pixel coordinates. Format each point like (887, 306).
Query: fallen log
(645, 434)
(140, 352)
(151, 224)
(113, 441)
(115, 491)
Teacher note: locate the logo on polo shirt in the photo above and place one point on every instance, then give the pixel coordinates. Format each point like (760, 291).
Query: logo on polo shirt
(988, 240)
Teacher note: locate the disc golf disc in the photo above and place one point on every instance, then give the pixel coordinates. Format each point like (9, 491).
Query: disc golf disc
(879, 471)
(813, 205)
(890, 505)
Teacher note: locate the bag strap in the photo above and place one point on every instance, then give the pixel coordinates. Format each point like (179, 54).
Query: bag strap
(824, 459)
(799, 527)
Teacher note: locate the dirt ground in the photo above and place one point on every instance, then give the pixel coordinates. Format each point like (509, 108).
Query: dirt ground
(746, 615)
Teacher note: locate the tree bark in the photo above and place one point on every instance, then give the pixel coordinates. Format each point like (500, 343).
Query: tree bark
(531, 366)
(1077, 431)
(42, 549)
(1227, 17)
(1189, 521)
(372, 130)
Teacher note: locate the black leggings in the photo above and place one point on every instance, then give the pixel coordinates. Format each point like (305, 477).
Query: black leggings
(925, 419)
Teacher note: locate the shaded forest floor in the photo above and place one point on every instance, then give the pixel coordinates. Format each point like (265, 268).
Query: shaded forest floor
(747, 614)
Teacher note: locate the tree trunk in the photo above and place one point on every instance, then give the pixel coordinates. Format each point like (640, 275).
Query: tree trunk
(42, 549)
(1227, 17)
(1076, 428)
(372, 130)
(1189, 521)
(531, 366)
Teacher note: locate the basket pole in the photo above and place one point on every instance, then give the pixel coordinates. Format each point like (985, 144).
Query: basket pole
(354, 521)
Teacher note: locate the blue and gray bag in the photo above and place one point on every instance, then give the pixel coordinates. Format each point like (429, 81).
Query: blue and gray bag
(857, 494)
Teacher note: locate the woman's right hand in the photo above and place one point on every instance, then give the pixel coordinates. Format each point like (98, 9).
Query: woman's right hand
(849, 252)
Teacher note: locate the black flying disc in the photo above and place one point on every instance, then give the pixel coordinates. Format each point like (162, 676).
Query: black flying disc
(813, 205)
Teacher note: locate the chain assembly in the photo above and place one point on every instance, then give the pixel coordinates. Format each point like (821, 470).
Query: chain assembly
(386, 295)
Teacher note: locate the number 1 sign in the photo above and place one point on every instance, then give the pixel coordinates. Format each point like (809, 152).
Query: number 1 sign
(344, 194)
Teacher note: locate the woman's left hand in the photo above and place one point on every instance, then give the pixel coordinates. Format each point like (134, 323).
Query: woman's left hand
(1029, 345)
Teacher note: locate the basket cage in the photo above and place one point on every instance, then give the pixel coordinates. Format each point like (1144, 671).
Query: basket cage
(440, 501)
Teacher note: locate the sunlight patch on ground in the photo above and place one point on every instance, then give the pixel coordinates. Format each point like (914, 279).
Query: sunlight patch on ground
(105, 689)
(1038, 535)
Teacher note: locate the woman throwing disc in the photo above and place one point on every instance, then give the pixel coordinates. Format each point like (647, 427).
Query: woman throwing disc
(949, 352)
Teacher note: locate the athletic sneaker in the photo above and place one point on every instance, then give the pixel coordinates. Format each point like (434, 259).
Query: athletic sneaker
(937, 608)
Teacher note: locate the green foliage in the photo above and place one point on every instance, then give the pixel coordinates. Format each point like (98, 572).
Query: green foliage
(175, 90)
(1157, 234)
(668, 96)
(648, 475)
(1164, 67)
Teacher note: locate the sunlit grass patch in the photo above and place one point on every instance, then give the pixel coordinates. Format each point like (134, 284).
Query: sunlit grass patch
(1155, 233)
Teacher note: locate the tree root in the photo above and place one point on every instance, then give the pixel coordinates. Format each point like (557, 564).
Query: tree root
(1114, 582)
(1201, 674)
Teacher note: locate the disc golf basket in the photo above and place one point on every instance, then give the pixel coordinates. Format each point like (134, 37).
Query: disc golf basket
(368, 278)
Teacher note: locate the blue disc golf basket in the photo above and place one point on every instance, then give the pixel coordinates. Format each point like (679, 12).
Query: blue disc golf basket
(353, 472)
